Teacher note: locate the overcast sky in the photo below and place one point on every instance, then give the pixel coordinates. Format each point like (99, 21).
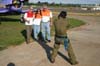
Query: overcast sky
(69, 1)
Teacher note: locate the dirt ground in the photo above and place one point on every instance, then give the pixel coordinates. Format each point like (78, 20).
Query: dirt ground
(85, 41)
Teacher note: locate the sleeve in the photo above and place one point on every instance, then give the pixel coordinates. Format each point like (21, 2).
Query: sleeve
(22, 18)
(25, 16)
(51, 15)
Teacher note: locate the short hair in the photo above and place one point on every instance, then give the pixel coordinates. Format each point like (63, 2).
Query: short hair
(30, 7)
(62, 14)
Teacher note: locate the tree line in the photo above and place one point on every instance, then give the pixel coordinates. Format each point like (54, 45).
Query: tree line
(53, 4)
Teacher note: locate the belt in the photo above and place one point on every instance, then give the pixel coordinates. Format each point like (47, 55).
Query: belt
(61, 36)
(44, 22)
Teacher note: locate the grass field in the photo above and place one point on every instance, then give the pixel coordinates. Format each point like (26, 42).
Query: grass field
(12, 31)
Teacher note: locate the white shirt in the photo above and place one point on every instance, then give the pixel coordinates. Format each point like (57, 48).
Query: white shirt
(46, 18)
(37, 21)
(30, 19)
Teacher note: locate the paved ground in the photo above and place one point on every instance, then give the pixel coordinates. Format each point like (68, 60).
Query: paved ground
(85, 41)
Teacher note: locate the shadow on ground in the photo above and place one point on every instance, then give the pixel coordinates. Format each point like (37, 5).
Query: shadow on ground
(10, 64)
(23, 32)
(48, 49)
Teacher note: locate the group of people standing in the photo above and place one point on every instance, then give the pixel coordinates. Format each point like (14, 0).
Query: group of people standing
(41, 21)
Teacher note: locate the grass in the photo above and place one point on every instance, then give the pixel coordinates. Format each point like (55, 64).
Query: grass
(11, 30)
(75, 22)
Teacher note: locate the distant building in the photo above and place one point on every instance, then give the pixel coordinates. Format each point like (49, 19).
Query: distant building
(90, 7)
(97, 7)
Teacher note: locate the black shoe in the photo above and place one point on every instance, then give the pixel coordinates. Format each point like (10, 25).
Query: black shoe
(49, 40)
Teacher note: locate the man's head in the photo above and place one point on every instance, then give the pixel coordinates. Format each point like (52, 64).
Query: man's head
(62, 14)
(45, 7)
(31, 7)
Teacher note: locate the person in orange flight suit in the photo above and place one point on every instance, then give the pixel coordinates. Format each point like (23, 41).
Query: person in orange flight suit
(45, 24)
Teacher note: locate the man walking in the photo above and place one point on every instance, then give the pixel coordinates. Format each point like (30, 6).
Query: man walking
(46, 22)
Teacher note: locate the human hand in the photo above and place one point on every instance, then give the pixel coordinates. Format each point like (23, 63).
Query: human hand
(28, 21)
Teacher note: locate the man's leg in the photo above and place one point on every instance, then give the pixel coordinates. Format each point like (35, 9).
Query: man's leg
(31, 29)
(54, 52)
(71, 54)
(48, 31)
(28, 34)
(43, 30)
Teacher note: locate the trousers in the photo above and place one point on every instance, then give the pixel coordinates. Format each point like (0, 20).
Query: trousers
(45, 29)
(28, 33)
(58, 42)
